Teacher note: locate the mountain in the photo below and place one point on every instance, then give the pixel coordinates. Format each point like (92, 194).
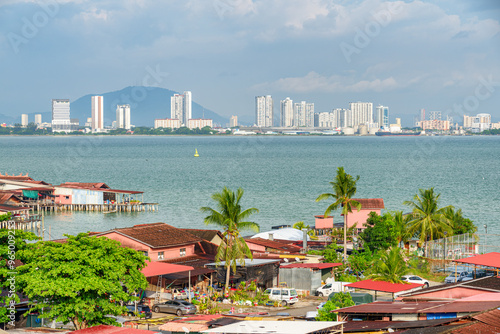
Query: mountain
(146, 104)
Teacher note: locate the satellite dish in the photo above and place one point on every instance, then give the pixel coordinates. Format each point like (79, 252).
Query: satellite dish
(285, 259)
(297, 259)
(185, 330)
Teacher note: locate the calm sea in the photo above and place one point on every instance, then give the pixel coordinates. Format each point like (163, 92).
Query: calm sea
(281, 176)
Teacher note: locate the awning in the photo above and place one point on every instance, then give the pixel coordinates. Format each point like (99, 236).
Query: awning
(383, 286)
(160, 268)
(488, 260)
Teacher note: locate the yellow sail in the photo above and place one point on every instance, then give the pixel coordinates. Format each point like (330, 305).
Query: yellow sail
(196, 153)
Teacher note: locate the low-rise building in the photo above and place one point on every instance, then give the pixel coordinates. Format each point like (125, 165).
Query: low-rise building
(171, 123)
(199, 123)
(367, 205)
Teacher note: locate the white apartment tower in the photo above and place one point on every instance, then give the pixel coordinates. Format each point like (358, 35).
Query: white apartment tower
(233, 121)
(309, 115)
(362, 113)
(299, 113)
(382, 117)
(264, 111)
(60, 115)
(286, 113)
(24, 120)
(123, 116)
(38, 119)
(181, 107)
(97, 113)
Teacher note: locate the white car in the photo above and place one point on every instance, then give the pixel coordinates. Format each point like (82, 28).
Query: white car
(416, 279)
(285, 296)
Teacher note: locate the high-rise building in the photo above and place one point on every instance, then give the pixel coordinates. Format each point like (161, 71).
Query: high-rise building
(60, 115)
(299, 113)
(422, 114)
(382, 117)
(477, 123)
(97, 113)
(123, 116)
(38, 119)
(362, 113)
(286, 113)
(325, 120)
(264, 111)
(342, 117)
(435, 115)
(309, 115)
(233, 121)
(24, 120)
(181, 107)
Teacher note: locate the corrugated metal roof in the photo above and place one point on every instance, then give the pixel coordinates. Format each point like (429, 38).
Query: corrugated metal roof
(248, 262)
(160, 268)
(312, 265)
(392, 307)
(370, 203)
(491, 318)
(107, 329)
(383, 286)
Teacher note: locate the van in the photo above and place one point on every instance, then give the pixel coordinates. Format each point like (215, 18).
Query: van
(286, 296)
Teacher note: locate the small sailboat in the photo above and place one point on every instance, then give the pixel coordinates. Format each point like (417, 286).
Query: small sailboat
(196, 153)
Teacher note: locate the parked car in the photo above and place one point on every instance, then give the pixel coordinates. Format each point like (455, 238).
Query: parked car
(416, 279)
(286, 296)
(177, 306)
(478, 274)
(328, 288)
(142, 310)
(320, 306)
(455, 277)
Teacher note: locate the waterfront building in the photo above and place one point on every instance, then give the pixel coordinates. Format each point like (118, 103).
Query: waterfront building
(309, 114)
(199, 123)
(123, 116)
(435, 124)
(61, 115)
(325, 120)
(264, 111)
(38, 119)
(382, 117)
(181, 107)
(342, 118)
(477, 123)
(167, 123)
(97, 103)
(303, 114)
(362, 113)
(286, 113)
(367, 205)
(396, 127)
(24, 120)
(233, 121)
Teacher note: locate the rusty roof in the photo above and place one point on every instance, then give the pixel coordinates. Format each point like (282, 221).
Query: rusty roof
(157, 235)
(19, 177)
(204, 234)
(274, 244)
(370, 203)
(491, 318)
(312, 265)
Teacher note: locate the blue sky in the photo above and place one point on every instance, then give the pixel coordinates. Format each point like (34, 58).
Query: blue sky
(437, 55)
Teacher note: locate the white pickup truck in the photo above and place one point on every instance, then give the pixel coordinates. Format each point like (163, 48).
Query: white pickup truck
(328, 288)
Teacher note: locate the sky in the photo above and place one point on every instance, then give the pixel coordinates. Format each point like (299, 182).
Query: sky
(408, 55)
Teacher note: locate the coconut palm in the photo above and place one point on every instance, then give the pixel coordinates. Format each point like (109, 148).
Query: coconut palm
(427, 220)
(344, 188)
(400, 221)
(389, 267)
(231, 218)
(458, 222)
(300, 225)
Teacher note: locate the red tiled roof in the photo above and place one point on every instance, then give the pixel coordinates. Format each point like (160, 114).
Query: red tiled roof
(157, 235)
(11, 208)
(312, 265)
(488, 260)
(161, 268)
(370, 203)
(477, 327)
(383, 286)
(204, 234)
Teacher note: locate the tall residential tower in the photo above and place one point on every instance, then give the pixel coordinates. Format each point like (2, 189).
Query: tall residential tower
(264, 111)
(123, 116)
(180, 107)
(97, 113)
(60, 115)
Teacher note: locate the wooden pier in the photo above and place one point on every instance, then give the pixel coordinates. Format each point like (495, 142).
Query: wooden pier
(33, 223)
(104, 208)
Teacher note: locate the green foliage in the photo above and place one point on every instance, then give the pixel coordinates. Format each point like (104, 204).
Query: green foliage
(427, 221)
(5, 217)
(458, 222)
(361, 261)
(339, 300)
(12, 243)
(81, 280)
(389, 267)
(232, 218)
(380, 232)
(344, 188)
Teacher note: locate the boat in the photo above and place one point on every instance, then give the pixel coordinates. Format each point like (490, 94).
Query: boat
(388, 133)
(196, 153)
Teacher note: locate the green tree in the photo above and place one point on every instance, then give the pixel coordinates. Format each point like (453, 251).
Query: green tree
(300, 225)
(344, 188)
(339, 300)
(232, 218)
(380, 232)
(427, 220)
(361, 261)
(400, 221)
(389, 267)
(81, 280)
(458, 222)
(12, 243)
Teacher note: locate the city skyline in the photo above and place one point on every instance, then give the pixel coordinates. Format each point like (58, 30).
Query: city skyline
(408, 55)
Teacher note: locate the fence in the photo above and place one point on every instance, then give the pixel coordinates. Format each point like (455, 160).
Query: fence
(462, 246)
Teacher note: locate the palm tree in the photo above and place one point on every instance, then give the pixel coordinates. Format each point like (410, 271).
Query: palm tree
(300, 225)
(230, 217)
(458, 222)
(427, 220)
(344, 188)
(400, 221)
(389, 267)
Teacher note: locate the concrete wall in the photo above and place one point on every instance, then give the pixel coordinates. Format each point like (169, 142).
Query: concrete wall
(84, 196)
(301, 278)
(359, 217)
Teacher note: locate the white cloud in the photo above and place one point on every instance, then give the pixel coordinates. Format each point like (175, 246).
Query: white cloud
(314, 82)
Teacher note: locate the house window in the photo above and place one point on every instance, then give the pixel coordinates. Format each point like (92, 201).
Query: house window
(145, 253)
(160, 255)
(183, 252)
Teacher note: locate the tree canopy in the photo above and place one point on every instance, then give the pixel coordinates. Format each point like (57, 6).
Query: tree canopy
(380, 232)
(389, 267)
(82, 280)
(339, 300)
